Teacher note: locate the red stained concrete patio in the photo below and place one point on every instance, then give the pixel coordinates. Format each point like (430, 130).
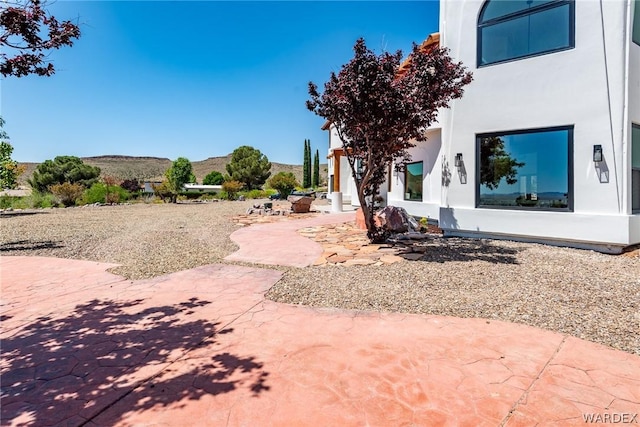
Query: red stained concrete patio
(202, 347)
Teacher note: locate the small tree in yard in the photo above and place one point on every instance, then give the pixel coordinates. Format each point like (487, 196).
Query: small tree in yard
(380, 111)
(179, 174)
(10, 170)
(284, 182)
(249, 166)
(306, 165)
(316, 169)
(62, 169)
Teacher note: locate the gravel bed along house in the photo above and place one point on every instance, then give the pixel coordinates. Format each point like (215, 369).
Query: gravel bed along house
(581, 293)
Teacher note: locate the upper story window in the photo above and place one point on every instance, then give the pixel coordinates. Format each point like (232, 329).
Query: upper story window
(510, 29)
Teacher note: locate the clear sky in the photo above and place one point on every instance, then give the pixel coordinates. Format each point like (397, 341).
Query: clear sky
(197, 79)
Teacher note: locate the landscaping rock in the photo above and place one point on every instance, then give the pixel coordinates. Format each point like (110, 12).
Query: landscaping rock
(397, 220)
(300, 204)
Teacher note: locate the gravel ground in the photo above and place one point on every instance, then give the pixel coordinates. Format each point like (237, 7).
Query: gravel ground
(148, 240)
(581, 293)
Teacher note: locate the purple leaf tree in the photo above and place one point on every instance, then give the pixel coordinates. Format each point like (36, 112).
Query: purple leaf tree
(27, 33)
(381, 107)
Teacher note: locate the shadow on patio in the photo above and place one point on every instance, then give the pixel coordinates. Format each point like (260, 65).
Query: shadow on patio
(69, 369)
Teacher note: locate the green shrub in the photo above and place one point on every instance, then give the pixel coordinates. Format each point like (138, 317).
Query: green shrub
(67, 192)
(7, 202)
(41, 200)
(254, 194)
(231, 188)
(34, 200)
(189, 195)
(284, 182)
(164, 192)
(209, 196)
(101, 193)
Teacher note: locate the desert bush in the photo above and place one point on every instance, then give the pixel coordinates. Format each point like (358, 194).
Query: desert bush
(164, 192)
(67, 193)
(34, 200)
(209, 196)
(131, 185)
(41, 200)
(231, 188)
(254, 194)
(101, 193)
(14, 202)
(284, 182)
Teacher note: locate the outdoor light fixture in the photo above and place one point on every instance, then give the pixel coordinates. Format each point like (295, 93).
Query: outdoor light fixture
(597, 153)
(458, 161)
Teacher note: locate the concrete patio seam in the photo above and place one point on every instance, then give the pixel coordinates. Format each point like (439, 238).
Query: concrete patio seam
(525, 394)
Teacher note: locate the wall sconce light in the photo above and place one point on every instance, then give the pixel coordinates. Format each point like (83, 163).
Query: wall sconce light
(597, 153)
(458, 161)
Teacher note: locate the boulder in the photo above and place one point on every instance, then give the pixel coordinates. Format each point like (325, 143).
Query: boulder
(396, 220)
(300, 204)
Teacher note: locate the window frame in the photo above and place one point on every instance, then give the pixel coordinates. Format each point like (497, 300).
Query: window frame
(633, 126)
(570, 171)
(635, 23)
(520, 14)
(406, 182)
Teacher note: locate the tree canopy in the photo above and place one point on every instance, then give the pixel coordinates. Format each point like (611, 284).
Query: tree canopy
(380, 111)
(249, 166)
(316, 169)
(306, 165)
(9, 168)
(27, 34)
(213, 178)
(179, 174)
(496, 163)
(62, 169)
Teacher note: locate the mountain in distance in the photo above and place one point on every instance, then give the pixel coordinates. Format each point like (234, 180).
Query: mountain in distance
(153, 168)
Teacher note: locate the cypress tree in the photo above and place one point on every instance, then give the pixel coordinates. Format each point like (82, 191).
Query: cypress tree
(316, 169)
(306, 166)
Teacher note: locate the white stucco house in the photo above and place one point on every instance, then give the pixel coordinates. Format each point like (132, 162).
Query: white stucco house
(556, 92)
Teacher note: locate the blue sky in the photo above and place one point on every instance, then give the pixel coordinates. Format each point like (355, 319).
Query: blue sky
(197, 79)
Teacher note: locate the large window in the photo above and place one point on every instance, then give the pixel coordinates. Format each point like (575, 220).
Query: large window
(413, 181)
(526, 169)
(635, 168)
(509, 29)
(636, 23)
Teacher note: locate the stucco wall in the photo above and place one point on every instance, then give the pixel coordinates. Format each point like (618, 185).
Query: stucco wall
(583, 87)
(428, 152)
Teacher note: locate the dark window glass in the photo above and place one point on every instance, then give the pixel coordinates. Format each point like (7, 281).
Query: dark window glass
(413, 181)
(636, 23)
(499, 8)
(525, 170)
(527, 32)
(635, 168)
